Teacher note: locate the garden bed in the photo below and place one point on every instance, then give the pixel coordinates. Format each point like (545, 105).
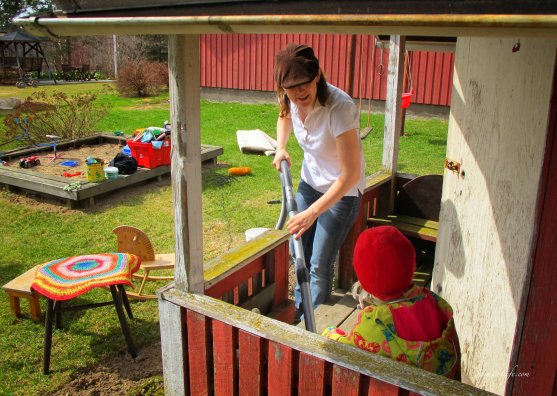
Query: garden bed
(47, 179)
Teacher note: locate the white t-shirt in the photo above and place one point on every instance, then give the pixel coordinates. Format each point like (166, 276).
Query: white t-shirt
(321, 165)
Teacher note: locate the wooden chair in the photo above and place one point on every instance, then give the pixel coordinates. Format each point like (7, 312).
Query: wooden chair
(133, 240)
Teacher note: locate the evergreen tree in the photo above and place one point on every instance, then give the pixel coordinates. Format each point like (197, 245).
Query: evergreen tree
(12, 8)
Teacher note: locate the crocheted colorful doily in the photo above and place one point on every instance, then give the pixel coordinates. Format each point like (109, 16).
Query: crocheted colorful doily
(69, 277)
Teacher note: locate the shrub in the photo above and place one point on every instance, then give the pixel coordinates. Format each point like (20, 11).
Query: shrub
(66, 116)
(142, 78)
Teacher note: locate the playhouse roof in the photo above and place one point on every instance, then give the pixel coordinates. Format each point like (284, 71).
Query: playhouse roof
(402, 17)
(290, 7)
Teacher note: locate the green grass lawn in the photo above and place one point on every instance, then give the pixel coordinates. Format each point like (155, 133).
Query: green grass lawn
(231, 205)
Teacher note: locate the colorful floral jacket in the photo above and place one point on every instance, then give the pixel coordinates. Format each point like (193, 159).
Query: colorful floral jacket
(375, 331)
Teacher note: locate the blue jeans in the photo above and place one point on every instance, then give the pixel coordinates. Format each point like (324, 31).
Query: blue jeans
(323, 240)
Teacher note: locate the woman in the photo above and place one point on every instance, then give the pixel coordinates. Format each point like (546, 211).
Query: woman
(325, 121)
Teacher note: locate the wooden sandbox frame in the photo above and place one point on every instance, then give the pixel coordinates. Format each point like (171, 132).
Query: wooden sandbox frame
(15, 178)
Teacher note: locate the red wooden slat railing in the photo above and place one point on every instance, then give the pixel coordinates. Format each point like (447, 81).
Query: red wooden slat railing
(250, 361)
(199, 353)
(234, 351)
(245, 62)
(224, 359)
(312, 376)
(280, 363)
(378, 388)
(345, 382)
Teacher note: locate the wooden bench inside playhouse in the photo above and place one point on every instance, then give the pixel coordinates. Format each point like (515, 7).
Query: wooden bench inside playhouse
(416, 209)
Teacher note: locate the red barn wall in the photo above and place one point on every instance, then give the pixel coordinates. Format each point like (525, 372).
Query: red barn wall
(245, 62)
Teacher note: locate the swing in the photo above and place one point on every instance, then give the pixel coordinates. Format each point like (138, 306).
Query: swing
(407, 96)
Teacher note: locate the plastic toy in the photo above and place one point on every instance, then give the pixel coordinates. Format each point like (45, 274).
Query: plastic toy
(241, 171)
(29, 162)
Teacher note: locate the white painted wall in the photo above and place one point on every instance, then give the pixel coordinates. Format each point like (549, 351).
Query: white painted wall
(497, 131)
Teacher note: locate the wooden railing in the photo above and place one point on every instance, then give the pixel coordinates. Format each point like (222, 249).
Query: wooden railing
(230, 351)
(254, 275)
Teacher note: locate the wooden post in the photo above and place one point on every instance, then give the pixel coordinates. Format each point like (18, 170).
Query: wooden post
(393, 111)
(174, 346)
(184, 81)
(183, 65)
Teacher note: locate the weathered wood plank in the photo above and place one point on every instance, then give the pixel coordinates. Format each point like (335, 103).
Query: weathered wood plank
(209, 152)
(488, 213)
(393, 111)
(348, 324)
(377, 179)
(378, 367)
(224, 361)
(333, 313)
(183, 67)
(416, 221)
(251, 367)
(311, 375)
(279, 373)
(199, 354)
(345, 382)
(174, 345)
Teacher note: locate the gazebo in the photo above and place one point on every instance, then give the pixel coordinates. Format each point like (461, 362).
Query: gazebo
(20, 53)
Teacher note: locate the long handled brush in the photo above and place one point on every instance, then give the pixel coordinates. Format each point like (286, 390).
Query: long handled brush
(302, 275)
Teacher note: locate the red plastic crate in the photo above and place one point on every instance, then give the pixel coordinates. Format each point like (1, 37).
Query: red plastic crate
(149, 157)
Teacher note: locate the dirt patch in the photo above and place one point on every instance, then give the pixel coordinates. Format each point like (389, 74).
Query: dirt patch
(120, 375)
(105, 152)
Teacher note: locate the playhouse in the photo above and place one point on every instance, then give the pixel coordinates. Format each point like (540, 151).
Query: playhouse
(495, 245)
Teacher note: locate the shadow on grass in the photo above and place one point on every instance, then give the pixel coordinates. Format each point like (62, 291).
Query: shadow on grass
(437, 142)
(109, 348)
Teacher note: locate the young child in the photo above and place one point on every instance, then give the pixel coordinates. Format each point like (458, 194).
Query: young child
(404, 322)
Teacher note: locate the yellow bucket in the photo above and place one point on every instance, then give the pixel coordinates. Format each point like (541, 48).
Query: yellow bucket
(95, 173)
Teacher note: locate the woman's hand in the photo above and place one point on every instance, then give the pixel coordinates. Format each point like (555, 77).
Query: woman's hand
(281, 154)
(301, 222)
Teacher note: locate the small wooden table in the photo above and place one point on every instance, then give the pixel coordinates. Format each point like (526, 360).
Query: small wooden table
(63, 279)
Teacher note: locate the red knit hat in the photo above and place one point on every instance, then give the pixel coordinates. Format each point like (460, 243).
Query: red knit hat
(384, 261)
